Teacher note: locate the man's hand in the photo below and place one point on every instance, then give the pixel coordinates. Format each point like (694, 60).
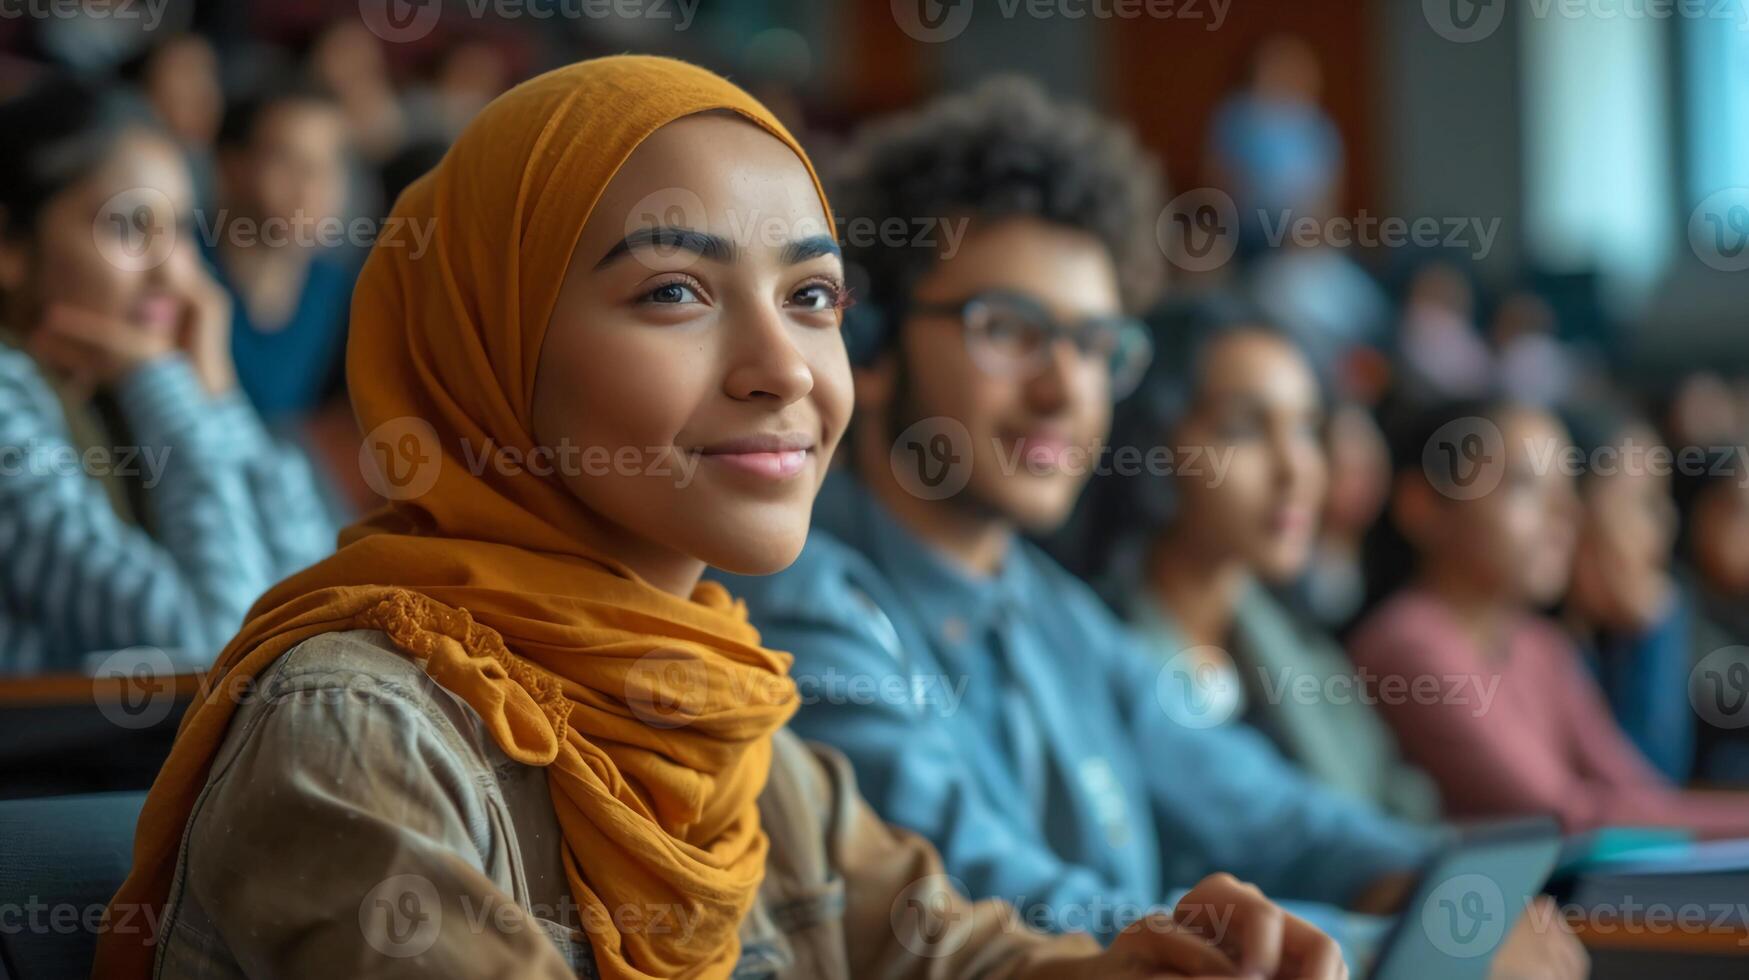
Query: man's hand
(1222, 928)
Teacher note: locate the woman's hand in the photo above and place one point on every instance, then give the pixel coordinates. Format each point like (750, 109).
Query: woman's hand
(206, 332)
(1222, 928)
(92, 350)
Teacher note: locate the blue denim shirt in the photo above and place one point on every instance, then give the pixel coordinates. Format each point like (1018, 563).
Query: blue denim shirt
(1016, 723)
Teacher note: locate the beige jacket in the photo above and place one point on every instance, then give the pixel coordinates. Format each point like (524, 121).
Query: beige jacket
(358, 822)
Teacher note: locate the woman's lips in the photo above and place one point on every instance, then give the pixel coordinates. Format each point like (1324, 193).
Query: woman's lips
(775, 457)
(779, 465)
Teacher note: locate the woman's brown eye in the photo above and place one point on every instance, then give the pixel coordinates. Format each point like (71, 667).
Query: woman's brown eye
(671, 293)
(816, 297)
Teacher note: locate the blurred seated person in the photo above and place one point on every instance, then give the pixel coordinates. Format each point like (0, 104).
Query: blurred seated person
(460, 80)
(1441, 352)
(1535, 366)
(179, 77)
(1187, 551)
(141, 500)
(1486, 693)
(1702, 410)
(1714, 544)
(1637, 618)
(1271, 146)
(277, 245)
(987, 698)
(346, 58)
(1333, 589)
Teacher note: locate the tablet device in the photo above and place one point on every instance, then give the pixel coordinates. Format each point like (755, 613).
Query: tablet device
(1467, 900)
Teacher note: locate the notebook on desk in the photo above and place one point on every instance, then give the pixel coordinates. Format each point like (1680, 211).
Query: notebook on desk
(1702, 886)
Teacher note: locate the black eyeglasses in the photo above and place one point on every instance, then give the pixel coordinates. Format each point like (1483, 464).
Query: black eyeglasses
(1010, 334)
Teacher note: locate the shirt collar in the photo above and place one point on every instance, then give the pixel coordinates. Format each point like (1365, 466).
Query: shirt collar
(953, 605)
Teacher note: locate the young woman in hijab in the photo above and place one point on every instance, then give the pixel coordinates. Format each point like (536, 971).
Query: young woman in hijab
(507, 730)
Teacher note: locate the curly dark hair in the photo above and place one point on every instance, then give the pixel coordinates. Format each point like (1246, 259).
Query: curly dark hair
(1002, 149)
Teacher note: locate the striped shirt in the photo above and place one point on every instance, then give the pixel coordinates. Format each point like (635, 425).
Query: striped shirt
(231, 512)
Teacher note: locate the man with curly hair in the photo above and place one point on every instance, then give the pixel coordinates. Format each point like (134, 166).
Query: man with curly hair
(987, 699)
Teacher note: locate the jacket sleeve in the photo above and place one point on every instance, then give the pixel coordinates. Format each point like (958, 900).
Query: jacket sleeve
(905, 917)
(344, 836)
(83, 580)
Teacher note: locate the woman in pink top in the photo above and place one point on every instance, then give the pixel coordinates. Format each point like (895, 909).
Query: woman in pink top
(1484, 693)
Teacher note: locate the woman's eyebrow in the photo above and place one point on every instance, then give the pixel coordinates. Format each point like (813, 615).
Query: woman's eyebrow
(812, 247)
(672, 239)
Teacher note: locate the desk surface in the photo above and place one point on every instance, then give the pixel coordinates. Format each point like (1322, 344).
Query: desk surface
(1663, 937)
(78, 690)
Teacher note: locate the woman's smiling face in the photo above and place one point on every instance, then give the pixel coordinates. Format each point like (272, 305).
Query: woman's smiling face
(693, 381)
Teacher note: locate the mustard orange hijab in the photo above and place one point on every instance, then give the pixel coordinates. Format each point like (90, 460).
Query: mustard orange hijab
(489, 580)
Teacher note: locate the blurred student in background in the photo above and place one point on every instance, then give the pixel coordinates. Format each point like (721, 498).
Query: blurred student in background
(1440, 352)
(1272, 145)
(345, 58)
(1715, 538)
(1333, 588)
(117, 356)
(1187, 555)
(1714, 545)
(1483, 529)
(179, 78)
(1014, 720)
(276, 244)
(1625, 607)
(1636, 617)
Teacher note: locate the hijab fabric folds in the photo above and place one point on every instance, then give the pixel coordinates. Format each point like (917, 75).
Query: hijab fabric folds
(651, 713)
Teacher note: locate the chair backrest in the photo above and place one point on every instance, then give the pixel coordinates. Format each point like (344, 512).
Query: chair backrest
(61, 859)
